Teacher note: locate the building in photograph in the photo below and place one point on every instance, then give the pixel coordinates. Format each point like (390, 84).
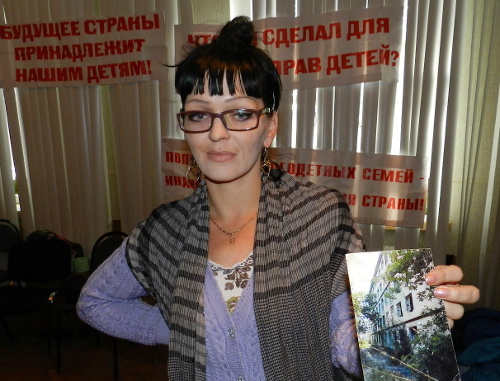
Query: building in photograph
(399, 312)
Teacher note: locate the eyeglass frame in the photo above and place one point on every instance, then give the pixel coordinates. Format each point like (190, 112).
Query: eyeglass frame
(220, 115)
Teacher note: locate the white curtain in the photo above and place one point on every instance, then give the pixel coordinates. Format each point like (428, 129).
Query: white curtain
(8, 209)
(86, 157)
(57, 141)
(476, 190)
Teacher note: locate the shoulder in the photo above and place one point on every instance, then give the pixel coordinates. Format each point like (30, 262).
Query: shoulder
(156, 238)
(166, 226)
(176, 214)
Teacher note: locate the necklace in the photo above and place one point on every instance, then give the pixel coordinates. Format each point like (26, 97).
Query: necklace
(232, 234)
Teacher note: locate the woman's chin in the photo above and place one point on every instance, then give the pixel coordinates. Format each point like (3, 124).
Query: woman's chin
(227, 178)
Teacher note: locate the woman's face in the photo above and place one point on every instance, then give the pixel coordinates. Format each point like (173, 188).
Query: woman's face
(224, 156)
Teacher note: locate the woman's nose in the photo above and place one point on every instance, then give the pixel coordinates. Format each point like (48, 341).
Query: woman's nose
(218, 130)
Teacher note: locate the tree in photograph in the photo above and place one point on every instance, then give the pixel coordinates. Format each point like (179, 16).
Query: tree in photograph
(407, 269)
(365, 308)
(369, 308)
(432, 351)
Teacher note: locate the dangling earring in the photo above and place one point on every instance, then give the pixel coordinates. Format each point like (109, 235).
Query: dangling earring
(265, 167)
(193, 168)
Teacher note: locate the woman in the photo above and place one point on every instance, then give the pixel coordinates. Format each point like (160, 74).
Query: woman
(249, 272)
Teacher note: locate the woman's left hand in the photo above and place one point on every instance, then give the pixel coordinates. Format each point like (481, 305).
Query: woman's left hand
(446, 279)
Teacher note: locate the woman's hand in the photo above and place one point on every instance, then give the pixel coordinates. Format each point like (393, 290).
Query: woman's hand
(446, 279)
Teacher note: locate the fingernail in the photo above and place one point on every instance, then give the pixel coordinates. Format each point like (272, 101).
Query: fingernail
(431, 279)
(441, 292)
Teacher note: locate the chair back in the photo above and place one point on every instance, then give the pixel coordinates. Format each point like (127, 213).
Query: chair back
(9, 235)
(42, 260)
(105, 245)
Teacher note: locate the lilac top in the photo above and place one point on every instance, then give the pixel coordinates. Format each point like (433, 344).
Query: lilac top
(110, 302)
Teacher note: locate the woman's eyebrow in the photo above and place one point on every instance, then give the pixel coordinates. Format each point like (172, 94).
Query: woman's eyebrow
(238, 98)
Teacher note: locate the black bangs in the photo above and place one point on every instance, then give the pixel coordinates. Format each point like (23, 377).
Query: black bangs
(241, 77)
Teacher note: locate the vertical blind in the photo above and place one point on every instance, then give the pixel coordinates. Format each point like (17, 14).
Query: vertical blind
(87, 156)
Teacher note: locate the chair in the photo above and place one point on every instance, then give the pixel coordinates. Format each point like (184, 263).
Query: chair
(40, 266)
(9, 236)
(65, 300)
(105, 245)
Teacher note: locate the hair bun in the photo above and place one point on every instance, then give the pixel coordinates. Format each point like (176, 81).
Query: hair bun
(239, 30)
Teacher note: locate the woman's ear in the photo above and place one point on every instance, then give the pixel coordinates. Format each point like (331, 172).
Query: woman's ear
(272, 129)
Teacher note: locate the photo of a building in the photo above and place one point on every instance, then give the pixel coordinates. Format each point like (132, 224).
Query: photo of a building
(402, 327)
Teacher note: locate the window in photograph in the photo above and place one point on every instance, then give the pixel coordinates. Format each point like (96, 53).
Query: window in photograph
(412, 331)
(399, 309)
(409, 302)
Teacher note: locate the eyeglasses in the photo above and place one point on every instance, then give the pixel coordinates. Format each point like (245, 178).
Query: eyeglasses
(242, 119)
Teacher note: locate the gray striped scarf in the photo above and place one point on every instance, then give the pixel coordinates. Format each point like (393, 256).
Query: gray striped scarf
(303, 232)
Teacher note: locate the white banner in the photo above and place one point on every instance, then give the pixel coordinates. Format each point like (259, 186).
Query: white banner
(380, 189)
(335, 48)
(83, 52)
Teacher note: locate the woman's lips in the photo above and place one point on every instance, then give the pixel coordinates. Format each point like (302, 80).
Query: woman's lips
(220, 156)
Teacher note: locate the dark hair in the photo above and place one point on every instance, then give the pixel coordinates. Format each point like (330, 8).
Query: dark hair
(233, 53)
